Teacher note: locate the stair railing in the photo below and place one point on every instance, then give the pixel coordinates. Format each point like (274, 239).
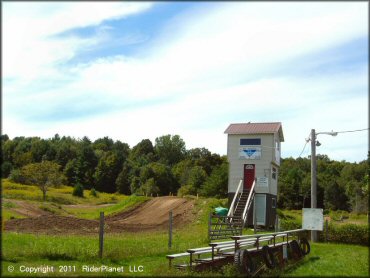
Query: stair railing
(249, 200)
(231, 210)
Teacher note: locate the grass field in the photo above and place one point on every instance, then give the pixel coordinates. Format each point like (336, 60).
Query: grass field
(335, 260)
(61, 195)
(69, 254)
(150, 249)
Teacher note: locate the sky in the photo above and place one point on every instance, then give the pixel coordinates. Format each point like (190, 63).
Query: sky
(137, 70)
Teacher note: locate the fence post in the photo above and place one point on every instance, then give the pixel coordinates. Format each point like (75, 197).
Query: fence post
(326, 230)
(101, 234)
(209, 226)
(254, 216)
(277, 223)
(170, 230)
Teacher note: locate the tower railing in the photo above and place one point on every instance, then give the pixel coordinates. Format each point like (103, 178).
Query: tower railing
(249, 201)
(231, 210)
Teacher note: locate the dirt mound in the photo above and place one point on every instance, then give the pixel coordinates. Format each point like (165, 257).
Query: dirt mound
(52, 224)
(151, 215)
(156, 212)
(27, 209)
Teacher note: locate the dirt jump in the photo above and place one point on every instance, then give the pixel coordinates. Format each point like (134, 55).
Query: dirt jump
(148, 216)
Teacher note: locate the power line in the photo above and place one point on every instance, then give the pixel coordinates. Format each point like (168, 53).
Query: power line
(356, 130)
(303, 149)
(344, 131)
(307, 140)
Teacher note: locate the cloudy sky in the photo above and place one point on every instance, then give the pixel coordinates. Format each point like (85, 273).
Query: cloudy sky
(139, 70)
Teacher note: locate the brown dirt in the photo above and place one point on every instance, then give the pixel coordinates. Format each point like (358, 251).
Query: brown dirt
(87, 206)
(149, 216)
(27, 209)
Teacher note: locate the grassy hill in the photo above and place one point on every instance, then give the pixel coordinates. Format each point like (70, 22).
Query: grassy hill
(60, 201)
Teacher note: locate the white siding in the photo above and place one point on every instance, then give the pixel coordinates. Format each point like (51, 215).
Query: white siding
(263, 165)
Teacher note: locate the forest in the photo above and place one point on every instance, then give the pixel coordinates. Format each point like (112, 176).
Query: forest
(168, 167)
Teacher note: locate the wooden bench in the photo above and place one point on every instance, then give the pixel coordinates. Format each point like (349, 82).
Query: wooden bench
(174, 256)
(200, 251)
(221, 250)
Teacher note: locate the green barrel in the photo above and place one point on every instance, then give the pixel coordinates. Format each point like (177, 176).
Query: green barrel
(221, 211)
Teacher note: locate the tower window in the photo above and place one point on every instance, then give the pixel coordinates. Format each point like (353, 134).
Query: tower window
(273, 203)
(273, 173)
(250, 141)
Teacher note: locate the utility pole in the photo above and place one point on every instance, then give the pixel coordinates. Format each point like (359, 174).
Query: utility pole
(313, 179)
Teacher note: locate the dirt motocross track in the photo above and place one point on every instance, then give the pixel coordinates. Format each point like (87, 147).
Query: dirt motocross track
(149, 216)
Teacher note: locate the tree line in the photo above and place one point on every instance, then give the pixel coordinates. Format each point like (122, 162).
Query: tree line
(168, 167)
(163, 168)
(341, 185)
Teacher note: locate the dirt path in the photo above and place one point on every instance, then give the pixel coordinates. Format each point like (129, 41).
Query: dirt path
(151, 215)
(26, 208)
(155, 213)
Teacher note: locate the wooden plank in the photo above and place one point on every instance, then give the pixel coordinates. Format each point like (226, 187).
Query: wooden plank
(178, 255)
(210, 259)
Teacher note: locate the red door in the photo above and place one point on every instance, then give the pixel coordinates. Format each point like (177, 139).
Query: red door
(249, 175)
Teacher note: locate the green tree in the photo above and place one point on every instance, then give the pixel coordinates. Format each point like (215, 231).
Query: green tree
(66, 150)
(170, 149)
(149, 188)
(107, 171)
(181, 171)
(6, 168)
(71, 172)
(204, 158)
(105, 144)
(335, 197)
(84, 166)
(161, 175)
(135, 185)
(44, 174)
(197, 176)
(216, 184)
(123, 180)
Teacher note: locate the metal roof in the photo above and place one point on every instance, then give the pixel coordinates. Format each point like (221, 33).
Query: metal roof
(256, 128)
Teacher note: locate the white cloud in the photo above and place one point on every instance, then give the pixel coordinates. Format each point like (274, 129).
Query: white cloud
(211, 67)
(27, 27)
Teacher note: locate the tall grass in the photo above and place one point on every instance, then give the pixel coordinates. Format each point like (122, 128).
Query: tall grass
(60, 195)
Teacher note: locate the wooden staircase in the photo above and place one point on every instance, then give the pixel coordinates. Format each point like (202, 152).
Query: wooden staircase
(237, 219)
(223, 227)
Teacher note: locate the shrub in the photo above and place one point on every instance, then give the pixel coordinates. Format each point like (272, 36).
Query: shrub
(187, 190)
(6, 168)
(347, 233)
(78, 190)
(93, 192)
(339, 215)
(16, 176)
(289, 224)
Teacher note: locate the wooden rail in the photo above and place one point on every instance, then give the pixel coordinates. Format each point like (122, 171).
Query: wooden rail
(231, 210)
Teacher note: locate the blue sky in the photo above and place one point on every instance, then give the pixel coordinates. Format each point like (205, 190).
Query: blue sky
(139, 70)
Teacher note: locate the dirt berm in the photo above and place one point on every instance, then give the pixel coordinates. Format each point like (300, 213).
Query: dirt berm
(148, 216)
